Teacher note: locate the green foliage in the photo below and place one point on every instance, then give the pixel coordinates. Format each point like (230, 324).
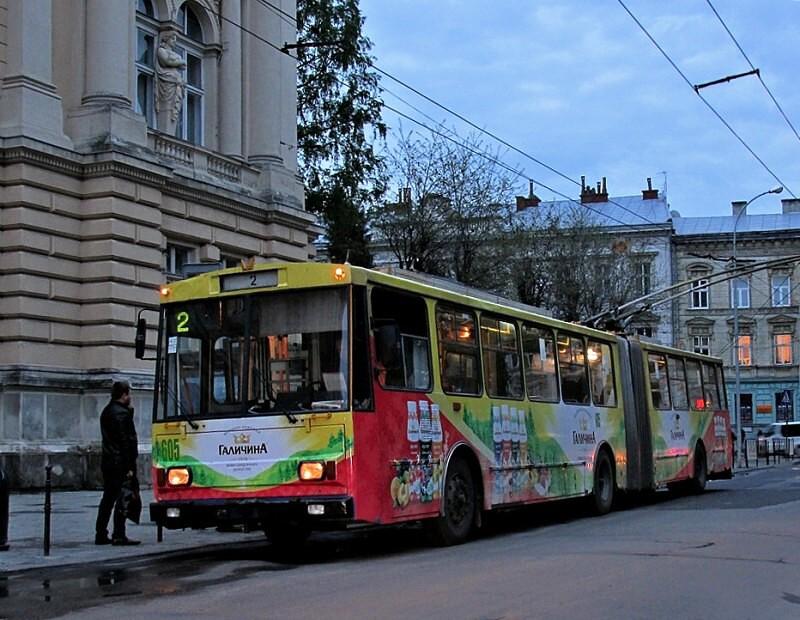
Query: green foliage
(480, 425)
(339, 121)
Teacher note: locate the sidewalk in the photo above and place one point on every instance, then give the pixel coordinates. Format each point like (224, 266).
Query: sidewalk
(72, 533)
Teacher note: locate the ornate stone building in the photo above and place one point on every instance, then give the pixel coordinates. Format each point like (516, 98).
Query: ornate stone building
(767, 306)
(136, 137)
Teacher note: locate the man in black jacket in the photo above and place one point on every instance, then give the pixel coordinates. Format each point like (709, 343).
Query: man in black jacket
(120, 449)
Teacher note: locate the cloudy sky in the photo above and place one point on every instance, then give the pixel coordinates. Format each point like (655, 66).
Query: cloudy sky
(578, 85)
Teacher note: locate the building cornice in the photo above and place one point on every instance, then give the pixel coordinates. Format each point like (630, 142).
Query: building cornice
(119, 162)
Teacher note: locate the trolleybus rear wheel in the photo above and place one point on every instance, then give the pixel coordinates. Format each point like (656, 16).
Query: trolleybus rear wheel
(603, 492)
(698, 482)
(460, 505)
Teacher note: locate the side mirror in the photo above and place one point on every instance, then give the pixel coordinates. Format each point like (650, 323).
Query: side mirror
(387, 345)
(141, 338)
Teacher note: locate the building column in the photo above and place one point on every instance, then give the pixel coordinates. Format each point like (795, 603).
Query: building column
(264, 87)
(29, 103)
(106, 113)
(230, 91)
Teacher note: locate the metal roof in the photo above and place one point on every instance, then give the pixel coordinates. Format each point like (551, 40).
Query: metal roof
(617, 211)
(764, 222)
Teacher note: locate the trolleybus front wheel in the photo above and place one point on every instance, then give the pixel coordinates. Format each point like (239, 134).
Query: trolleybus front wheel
(460, 505)
(603, 492)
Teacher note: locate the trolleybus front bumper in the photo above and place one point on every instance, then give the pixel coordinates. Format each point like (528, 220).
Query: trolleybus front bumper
(316, 512)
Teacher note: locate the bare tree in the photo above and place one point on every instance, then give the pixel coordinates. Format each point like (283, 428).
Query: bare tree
(452, 210)
(571, 264)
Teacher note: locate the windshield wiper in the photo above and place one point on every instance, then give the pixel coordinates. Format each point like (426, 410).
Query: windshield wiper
(257, 408)
(181, 409)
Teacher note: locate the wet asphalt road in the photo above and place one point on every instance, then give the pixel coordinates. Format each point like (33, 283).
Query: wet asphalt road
(733, 552)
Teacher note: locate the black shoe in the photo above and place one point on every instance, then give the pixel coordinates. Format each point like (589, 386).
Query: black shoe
(102, 539)
(124, 542)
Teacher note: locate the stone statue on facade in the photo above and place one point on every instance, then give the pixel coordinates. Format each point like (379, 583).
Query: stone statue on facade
(170, 83)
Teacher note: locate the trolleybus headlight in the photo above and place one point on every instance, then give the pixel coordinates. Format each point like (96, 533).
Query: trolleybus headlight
(339, 274)
(179, 476)
(312, 470)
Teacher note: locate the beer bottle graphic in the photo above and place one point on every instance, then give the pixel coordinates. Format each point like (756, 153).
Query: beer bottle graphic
(412, 429)
(497, 435)
(505, 416)
(425, 429)
(523, 437)
(514, 426)
(436, 431)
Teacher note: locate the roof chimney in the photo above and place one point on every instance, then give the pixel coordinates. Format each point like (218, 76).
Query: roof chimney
(590, 194)
(531, 201)
(649, 193)
(739, 206)
(790, 205)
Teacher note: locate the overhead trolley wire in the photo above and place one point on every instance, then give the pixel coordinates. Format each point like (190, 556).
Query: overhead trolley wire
(703, 99)
(500, 163)
(464, 119)
(758, 73)
(502, 141)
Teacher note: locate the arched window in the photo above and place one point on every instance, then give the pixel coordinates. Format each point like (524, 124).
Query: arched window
(146, 37)
(191, 47)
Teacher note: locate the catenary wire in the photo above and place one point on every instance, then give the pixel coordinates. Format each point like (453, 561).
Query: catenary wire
(609, 217)
(495, 137)
(758, 74)
(501, 164)
(703, 99)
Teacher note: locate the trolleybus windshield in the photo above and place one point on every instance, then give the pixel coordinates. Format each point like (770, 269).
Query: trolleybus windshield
(267, 354)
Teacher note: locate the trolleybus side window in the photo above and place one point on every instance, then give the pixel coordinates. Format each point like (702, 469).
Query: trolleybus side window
(402, 343)
(677, 383)
(572, 367)
(710, 387)
(659, 383)
(696, 398)
(601, 374)
(501, 359)
(540, 363)
(459, 355)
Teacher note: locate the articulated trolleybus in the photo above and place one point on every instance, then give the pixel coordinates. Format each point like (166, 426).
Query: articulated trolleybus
(295, 397)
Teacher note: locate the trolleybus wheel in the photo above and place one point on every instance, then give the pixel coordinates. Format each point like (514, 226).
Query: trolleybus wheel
(603, 492)
(698, 482)
(460, 505)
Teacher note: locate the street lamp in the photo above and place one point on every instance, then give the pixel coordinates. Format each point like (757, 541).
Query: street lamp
(737, 399)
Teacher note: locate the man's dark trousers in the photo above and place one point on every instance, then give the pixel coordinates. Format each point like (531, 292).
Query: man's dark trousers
(112, 495)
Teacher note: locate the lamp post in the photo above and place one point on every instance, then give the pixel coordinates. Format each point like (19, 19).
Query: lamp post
(737, 399)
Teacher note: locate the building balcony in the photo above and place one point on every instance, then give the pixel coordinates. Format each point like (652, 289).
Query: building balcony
(201, 163)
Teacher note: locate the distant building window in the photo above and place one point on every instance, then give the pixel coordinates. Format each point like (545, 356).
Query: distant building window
(644, 331)
(745, 349)
(701, 344)
(781, 291)
(175, 257)
(699, 296)
(740, 293)
(783, 349)
(644, 277)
